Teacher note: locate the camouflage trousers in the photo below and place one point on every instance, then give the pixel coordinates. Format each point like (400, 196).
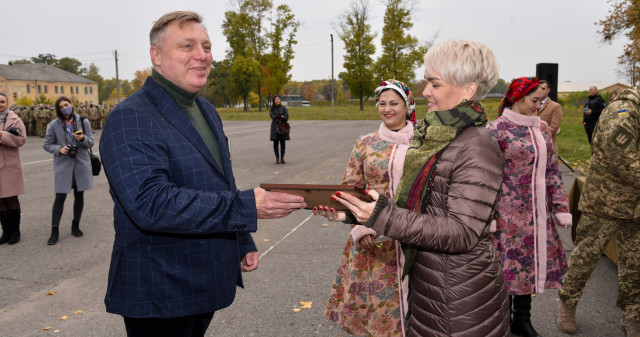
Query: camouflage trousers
(592, 236)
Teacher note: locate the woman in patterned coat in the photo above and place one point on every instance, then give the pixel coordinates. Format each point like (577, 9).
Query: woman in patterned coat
(367, 297)
(532, 202)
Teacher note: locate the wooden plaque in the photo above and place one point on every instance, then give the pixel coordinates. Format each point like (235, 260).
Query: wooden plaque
(315, 195)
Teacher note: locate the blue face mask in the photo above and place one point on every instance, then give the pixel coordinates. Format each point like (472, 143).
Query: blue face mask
(67, 111)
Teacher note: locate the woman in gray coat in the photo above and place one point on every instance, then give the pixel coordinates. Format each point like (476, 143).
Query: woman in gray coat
(69, 139)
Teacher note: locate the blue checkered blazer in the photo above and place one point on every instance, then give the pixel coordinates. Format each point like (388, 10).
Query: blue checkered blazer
(181, 226)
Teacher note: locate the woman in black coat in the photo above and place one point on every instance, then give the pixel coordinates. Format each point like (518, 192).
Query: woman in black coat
(278, 113)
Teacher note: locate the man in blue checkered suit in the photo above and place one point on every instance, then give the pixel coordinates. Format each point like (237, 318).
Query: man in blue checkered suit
(181, 225)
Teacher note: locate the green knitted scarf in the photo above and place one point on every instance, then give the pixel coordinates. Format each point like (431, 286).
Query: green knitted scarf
(432, 136)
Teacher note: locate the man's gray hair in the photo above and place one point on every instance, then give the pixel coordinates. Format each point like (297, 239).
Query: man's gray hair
(179, 16)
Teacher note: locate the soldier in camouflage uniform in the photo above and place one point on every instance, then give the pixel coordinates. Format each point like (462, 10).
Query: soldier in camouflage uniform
(32, 121)
(610, 204)
(93, 117)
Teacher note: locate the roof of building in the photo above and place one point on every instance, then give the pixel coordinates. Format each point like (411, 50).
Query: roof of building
(584, 86)
(39, 72)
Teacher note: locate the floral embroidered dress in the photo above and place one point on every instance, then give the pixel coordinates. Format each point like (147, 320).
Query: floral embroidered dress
(532, 201)
(367, 294)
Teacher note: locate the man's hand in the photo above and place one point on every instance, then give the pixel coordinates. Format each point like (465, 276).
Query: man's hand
(249, 262)
(275, 205)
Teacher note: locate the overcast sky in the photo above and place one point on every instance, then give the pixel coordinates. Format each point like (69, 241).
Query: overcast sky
(521, 33)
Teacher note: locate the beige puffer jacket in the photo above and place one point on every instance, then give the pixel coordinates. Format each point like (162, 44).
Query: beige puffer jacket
(456, 283)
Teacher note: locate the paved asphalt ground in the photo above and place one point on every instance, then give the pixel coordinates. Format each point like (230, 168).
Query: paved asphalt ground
(298, 259)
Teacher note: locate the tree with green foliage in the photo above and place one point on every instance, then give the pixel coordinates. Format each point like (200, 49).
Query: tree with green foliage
(272, 48)
(401, 53)
(218, 83)
(244, 76)
(500, 87)
(243, 28)
(71, 65)
(49, 59)
(93, 73)
(356, 34)
(282, 37)
(624, 19)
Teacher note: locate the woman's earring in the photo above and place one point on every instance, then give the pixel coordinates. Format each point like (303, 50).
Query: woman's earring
(465, 99)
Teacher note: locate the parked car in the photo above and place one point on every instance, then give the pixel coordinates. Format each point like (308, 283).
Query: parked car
(306, 103)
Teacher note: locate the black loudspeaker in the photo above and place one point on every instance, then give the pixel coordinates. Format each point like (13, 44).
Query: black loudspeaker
(549, 72)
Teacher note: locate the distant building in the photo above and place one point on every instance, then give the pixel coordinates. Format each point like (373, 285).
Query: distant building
(566, 88)
(32, 80)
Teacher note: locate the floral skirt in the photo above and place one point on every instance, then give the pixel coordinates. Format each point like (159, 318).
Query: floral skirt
(365, 300)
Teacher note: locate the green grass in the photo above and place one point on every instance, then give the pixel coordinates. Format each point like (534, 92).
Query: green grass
(572, 139)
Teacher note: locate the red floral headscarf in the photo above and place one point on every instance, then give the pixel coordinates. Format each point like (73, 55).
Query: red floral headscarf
(518, 88)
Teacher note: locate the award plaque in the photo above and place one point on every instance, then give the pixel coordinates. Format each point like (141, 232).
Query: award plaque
(315, 195)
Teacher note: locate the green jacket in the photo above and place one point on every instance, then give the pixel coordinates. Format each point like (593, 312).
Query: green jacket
(612, 186)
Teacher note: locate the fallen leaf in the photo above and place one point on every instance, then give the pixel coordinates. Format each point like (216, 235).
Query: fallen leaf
(533, 295)
(78, 312)
(64, 317)
(329, 178)
(51, 293)
(276, 172)
(305, 305)
(56, 331)
(325, 225)
(47, 328)
(266, 240)
(295, 309)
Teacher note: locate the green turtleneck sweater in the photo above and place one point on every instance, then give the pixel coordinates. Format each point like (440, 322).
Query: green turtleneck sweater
(187, 102)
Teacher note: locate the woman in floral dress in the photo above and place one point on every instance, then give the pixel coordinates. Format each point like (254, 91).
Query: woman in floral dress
(367, 297)
(533, 201)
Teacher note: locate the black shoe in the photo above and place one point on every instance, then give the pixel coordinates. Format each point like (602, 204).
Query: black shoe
(282, 160)
(12, 218)
(75, 229)
(277, 160)
(5, 229)
(54, 236)
(521, 322)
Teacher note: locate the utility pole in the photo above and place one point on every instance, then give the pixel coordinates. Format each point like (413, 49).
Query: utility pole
(117, 79)
(332, 84)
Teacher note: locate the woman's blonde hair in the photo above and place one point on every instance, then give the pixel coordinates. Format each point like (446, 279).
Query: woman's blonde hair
(462, 62)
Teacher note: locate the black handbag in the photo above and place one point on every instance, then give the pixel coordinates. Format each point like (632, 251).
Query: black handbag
(96, 164)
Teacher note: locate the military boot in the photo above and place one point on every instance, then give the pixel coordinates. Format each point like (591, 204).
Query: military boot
(567, 318)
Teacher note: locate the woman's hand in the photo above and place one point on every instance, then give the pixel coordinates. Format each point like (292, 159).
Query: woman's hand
(366, 242)
(329, 213)
(64, 150)
(361, 209)
(79, 137)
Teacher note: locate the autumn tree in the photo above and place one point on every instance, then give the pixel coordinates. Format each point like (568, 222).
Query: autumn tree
(356, 34)
(308, 90)
(244, 76)
(500, 88)
(140, 76)
(282, 37)
(271, 46)
(401, 52)
(624, 19)
(242, 28)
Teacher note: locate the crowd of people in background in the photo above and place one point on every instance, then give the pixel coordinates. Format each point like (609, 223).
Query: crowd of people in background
(37, 117)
